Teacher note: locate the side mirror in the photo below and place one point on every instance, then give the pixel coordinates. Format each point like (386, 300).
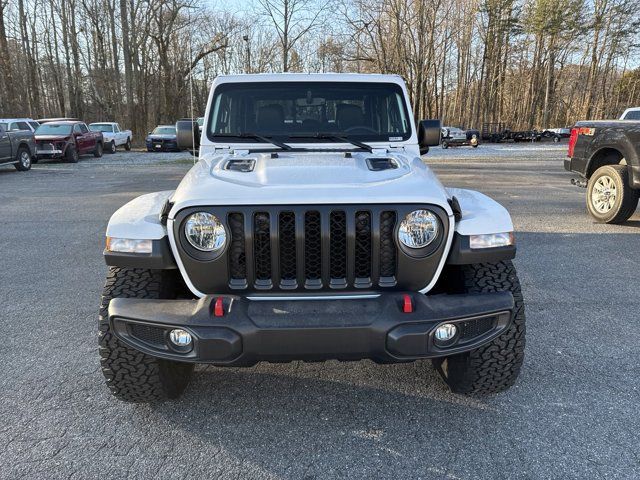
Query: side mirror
(188, 135)
(429, 132)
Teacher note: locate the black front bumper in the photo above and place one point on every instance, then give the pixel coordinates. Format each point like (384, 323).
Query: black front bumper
(311, 329)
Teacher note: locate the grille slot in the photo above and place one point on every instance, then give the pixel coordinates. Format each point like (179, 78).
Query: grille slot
(363, 245)
(296, 248)
(338, 248)
(312, 250)
(387, 249)
(287, 238)
(237, 255)
(262, 249)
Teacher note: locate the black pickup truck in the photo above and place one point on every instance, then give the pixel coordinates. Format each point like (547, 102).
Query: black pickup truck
(607, 154)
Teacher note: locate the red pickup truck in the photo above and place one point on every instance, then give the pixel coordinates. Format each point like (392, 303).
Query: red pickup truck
(67, 140)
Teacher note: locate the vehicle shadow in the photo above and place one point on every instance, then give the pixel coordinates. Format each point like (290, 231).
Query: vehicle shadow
(632, 223)
(301, 420)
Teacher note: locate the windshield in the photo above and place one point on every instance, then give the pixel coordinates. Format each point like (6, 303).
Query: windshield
(165, 130)
(101, 127)
(299, 111)
(54, 129)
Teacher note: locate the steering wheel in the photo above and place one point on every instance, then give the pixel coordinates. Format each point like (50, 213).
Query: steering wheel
(360, 129)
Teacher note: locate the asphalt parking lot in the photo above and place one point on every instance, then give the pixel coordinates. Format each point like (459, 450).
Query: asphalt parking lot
(572, 414)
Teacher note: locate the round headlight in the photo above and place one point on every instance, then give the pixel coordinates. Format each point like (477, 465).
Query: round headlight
(205, 232)
(418, 229)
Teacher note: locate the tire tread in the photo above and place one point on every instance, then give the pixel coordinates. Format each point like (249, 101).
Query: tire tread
(131, 375)
(494, 367)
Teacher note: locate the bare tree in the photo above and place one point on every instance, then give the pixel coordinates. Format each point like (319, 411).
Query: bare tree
(292, 20)
(527, 63)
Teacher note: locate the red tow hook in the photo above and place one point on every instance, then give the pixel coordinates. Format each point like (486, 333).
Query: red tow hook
(407, 304)
(218, 307)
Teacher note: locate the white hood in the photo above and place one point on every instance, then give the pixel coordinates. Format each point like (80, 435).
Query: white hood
(309, 178)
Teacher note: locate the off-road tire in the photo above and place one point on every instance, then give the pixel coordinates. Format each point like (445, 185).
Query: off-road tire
(24, 160)
(494, 367)
(71, 155)
(626, 200)
(97, 152)
(112, 147)
(131, 375)
(127, 146)
(445, 144)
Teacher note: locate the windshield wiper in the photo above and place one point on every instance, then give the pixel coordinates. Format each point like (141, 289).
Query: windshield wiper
(335, 137)
(255, 136)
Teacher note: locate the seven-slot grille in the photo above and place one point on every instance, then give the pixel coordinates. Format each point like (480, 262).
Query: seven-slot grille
(293, 248)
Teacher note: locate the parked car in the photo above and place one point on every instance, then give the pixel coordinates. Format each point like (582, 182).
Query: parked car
(607, 154)
(17, 146)
(327, 238)
(113, 135)
(631, 114)
(162, 139)
(67, 140)
(456, 137)
(20, 124)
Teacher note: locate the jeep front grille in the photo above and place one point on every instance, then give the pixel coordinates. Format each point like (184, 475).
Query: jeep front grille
(312, 249)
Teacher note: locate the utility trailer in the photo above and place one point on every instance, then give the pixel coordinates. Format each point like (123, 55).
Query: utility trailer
(496, 132)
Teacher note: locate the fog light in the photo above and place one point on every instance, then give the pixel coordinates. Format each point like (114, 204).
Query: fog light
(180, 338)
(445, 333)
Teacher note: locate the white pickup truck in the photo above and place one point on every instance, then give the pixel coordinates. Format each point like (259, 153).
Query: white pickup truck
(113, 135)
(632, 113)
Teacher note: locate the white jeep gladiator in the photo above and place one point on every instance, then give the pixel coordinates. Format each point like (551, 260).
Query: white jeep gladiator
(310, 229)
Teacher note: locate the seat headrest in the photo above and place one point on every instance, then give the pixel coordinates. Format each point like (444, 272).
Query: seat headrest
(348, 116)
(270, 118)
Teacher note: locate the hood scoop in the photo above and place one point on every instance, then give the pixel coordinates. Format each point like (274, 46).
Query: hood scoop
(240, 165)
(379, 164)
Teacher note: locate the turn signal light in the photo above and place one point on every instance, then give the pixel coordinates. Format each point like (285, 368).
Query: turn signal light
(407, 304)
(218, 307)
